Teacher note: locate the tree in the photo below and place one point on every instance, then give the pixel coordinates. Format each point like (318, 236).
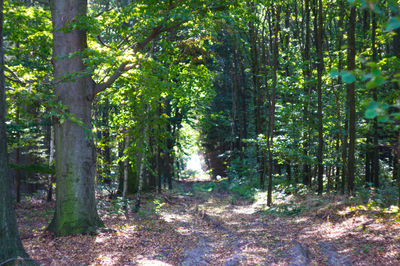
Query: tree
(75, 155)
(307, 93)
(319, 43)
(351, 99)
(10, 244)
(271, 126)
(76, 89)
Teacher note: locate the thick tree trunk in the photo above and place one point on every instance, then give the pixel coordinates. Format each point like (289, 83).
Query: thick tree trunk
(75, 154)
(351, 64)
(10, 243)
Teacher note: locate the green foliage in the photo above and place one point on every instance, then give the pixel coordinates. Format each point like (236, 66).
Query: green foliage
(35, 168)
(381, 198)
(394, 23)
(206, 187)
(151, 208)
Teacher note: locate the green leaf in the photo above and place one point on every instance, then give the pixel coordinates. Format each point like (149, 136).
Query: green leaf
(348, 77)
(396, 116)
(372, 110)
(383, 119)
(393, 24)
(334, 73)
(370, 114)
(371, 84)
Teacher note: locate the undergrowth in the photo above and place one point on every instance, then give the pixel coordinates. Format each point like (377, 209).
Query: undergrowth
(297, 199)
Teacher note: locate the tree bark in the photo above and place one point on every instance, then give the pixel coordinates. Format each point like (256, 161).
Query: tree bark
(257, 98)
(270, 135)
(320, 69)
(375, 152)
(307, 91)
(51, 159)
(141, 168)
(10, 243)
(126, 168)
(106, 139)
(75, 154)
(351, 64)
(397, 158)
(344, 137)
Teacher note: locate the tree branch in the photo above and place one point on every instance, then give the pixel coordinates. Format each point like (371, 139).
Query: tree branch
(102, 42)
(43, 2)
(139, 46)
(15, 78)
(117, 73)
(123, 67)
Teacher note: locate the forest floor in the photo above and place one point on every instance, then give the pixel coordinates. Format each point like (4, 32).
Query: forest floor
(189, 227)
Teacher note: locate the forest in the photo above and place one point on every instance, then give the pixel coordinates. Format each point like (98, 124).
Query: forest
(195, 132)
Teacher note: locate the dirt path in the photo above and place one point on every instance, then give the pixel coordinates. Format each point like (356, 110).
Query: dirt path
(233, 233)
(185, 227)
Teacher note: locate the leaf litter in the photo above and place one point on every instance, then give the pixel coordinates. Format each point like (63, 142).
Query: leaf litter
(214, 228)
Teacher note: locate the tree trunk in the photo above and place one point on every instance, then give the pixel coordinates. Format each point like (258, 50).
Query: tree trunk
(153, 164)
(320, 69)
(51, 159)
(344, 137)
(158, 161)
(328, 172)
(351, 64)
(75, 153)
(18, 158)
(141, 168)
(307, 91)
(10, 243)
(375, 152)
(257, 98)
(106, 140)
(368, 160)
(289, 170)
(397, 151)
(270, 135)
(126, 169)
(265, 72)
(243, 97)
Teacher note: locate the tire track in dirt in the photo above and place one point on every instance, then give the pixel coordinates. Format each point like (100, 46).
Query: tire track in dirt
(232, 233)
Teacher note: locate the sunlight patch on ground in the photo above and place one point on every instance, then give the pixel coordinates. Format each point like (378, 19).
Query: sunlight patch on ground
(100, 239)
(248, 209)
(173, 217)
(300, 219)
(105, 259)
(151, 262)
